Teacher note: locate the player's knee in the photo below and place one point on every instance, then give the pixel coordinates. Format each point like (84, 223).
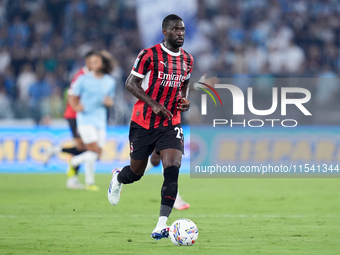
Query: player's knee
(155, 159)
(94, 148)
(79, 144)
(155, 162)
(171, 174)
(81, 148)
(173, 162)
(95, 151)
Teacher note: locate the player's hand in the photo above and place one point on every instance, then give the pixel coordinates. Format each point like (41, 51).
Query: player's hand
(108, 101)
(183, 105)
(78, 108)
(161, 111)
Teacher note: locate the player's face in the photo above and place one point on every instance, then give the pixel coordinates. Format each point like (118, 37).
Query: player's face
(96, 63)
(88, 62)
(174, 35)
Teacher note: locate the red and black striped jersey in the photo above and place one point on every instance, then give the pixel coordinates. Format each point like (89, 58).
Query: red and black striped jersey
(69, 112)
(163, 73)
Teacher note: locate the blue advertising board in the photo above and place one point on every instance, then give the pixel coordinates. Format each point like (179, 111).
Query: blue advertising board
(305, 151)
(23, 150)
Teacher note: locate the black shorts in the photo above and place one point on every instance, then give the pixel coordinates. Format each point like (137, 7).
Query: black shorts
(73, 126)
(143, 141)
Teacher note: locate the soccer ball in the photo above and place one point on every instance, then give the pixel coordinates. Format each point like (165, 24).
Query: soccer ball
(183, 232)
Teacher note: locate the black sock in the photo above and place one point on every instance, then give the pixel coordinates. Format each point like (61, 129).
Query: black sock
(126, 176)
(72, 150)
(169, 189)
(77, 169)
(165, 210)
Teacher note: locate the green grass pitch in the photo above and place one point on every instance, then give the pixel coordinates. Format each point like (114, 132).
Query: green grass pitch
(38, 215)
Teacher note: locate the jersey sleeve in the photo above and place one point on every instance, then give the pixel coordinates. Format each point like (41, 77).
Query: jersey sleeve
(191, 65)
(142, 64)
(75, 78)
(76, 88)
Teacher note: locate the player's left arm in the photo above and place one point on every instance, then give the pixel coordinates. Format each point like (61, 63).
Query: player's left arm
(184, 103)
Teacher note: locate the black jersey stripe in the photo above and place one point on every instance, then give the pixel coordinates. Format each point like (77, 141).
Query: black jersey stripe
(162, 56)
(182, 72)
(169, 59)
(145, 63)
(167, 101)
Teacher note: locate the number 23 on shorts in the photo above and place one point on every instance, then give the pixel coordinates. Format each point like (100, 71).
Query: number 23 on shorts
(179, 131)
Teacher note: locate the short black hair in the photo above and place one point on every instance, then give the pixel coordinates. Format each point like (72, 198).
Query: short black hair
(89, 53)
(167, 19)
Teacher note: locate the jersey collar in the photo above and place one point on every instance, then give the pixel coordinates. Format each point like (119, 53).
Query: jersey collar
(175, 54)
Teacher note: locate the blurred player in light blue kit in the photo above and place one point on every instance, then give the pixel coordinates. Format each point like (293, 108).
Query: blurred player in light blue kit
(91, 95)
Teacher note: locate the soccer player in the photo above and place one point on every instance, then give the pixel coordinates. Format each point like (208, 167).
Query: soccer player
(91, 94)
(70, 116)
(160, 80)
(155, 160)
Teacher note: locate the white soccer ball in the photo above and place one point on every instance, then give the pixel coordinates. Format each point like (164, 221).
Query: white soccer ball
(183, 232)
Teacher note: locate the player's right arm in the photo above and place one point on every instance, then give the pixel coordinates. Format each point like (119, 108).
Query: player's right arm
(74, 102)
(74, 96)
(134, 85)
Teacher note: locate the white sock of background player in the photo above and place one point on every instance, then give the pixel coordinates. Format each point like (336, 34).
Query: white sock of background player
(89, 158)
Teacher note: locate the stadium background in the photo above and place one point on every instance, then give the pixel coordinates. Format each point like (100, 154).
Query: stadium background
(42, 44)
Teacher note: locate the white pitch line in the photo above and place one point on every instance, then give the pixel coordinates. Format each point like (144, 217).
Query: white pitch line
(155, 215)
